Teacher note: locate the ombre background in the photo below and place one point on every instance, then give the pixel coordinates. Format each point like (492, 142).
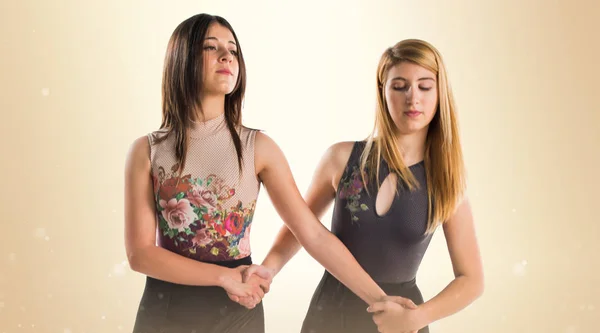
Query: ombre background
(80, 80)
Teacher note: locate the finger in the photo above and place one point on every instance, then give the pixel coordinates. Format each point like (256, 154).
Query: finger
(248, 272)
(264, 285)
(377, 307)
(245, 291)
(264, 272)
(377, 318)
(258, 295)
(405, 302)
(246, 301)
(250, 304)
(249, 301)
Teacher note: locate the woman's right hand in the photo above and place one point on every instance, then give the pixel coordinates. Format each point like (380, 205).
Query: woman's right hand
(255, 276)
(233, 284)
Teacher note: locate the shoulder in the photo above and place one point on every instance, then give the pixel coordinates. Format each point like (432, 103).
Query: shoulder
(340, 152)
(138, 155)
(155, 136)
(335, 159)
(264, 141)
(248, 133)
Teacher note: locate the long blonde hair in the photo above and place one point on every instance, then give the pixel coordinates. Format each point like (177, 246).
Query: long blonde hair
(444, 165)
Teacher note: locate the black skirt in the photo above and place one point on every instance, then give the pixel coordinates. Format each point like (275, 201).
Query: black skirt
(173, 308)
(336, 309)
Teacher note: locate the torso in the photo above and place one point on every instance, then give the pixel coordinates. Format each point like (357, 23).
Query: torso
(390, 246)
(205, 212)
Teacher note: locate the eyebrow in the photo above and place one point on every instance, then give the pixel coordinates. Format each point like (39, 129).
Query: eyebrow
(215, 38)
(420, 79)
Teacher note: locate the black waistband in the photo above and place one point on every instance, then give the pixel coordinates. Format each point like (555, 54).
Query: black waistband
(154, 284)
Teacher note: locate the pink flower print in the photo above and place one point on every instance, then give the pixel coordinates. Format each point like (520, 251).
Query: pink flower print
(244, 244)
(234, 222)
(178, 214)
(200, 196)
(356, 185)
(202, 237)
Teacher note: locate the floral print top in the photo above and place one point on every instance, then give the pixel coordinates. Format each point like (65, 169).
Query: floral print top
(206, 212)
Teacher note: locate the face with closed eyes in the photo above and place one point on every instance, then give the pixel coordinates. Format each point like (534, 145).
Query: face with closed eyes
(221, 65)
(411, 95)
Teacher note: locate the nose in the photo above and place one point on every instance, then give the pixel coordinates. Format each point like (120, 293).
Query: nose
(226, 56)
(411, 96)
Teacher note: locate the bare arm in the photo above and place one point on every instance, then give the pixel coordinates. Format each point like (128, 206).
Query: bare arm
(319, 197)
(140, 234)
(462, 291)
(326, 248)
(468, 284)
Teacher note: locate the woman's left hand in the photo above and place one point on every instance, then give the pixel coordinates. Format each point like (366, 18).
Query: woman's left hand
(393, 317)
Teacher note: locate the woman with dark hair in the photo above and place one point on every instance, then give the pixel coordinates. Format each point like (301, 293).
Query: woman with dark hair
(190, 194)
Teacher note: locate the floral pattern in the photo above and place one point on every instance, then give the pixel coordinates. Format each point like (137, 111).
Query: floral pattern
(351, 188)
(192, 217)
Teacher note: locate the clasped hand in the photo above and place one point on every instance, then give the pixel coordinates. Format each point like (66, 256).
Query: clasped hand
(392, 314)
(395, 314)
(249, 285)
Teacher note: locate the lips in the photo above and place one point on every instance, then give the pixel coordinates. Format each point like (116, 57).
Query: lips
(224, 71)
(412, 113)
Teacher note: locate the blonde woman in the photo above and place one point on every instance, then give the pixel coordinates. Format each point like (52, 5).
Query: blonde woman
(390, 193)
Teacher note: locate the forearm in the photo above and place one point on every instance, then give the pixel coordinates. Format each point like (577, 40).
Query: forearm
(165, 265)
(461, 292)
(284, 248)
(331, 253)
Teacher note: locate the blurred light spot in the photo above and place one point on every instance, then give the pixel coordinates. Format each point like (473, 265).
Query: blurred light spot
(519, 268)
(40, 233)
(120, 269)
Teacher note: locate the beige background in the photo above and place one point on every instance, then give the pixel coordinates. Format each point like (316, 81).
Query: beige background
(81, 79)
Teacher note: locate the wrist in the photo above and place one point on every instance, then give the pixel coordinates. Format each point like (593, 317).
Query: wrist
(423, 315)
(377, 297)
(224, 277)
(271, 267)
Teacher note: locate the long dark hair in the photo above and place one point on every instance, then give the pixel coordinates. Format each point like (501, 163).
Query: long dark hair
(182, 84)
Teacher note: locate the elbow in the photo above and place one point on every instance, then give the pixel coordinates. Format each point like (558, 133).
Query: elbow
(478, 286)
(472, 286)
(481, 288)
(312, 240)
(137, 259)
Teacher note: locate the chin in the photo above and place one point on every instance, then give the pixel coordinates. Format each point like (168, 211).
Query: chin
(407, 130)
(222, 90)
(226, 89)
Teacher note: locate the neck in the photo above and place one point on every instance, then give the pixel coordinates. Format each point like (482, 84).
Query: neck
(412, 146)
(212, 107)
